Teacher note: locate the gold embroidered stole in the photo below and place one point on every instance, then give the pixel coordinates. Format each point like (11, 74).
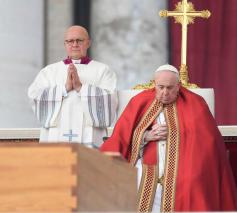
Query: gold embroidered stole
(149, 179)
(147, 188)
(150, 115)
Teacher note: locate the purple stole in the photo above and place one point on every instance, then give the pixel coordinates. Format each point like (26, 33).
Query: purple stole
(84, 60)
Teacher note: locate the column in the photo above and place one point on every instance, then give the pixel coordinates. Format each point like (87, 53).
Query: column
(130, 37)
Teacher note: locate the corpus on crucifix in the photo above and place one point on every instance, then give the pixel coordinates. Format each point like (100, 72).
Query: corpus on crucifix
(185, 14)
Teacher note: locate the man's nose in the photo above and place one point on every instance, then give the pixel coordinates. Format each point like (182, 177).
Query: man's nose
(75, 43)
(165, 92)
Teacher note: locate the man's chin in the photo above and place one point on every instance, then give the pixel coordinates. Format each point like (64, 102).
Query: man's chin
(76, 57)
(166, 101)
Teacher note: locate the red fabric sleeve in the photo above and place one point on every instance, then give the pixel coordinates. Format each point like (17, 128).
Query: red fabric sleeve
(204, 179)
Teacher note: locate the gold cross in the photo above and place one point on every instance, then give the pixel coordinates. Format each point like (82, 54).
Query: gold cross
(185, 14)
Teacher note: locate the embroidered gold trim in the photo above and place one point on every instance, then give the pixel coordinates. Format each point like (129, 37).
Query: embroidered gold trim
(150, 115)
(172, 155)
(147, 188)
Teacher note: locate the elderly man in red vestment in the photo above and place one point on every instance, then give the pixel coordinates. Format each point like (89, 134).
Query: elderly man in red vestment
(169, 134)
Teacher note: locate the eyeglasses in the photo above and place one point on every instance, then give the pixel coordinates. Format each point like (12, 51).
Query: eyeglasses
(78, 41)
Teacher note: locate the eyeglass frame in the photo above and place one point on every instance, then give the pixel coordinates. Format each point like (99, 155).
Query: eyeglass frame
(78, 41)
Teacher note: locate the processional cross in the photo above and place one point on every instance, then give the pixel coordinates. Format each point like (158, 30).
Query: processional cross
(185, 14)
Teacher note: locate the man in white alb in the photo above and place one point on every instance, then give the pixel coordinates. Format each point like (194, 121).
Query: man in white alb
(74, 99)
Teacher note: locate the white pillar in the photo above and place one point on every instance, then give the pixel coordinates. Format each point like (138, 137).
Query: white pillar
(59, 18)
(21, 57)
(130, 37)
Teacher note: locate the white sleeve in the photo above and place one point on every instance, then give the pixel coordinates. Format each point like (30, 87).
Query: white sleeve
(142, 145)
(99, 105)
(46, 100)
(108, 79)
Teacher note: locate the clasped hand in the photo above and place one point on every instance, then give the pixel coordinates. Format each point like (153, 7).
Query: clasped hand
(157, 132)
(73, 81)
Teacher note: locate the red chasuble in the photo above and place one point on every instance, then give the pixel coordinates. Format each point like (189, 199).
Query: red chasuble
(197, 172)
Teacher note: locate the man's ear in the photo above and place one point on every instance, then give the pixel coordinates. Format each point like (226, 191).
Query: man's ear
(179, 85)
(89, 43)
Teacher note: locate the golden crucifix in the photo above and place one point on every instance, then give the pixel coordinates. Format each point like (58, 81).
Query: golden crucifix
(185, 14)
